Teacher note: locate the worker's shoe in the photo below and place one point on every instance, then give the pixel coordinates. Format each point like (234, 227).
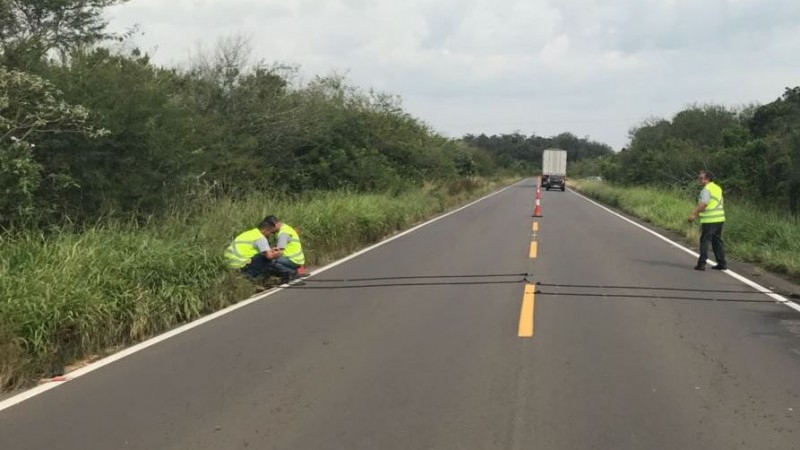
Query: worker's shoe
(288, 277)
(700, 267)
(720, 267)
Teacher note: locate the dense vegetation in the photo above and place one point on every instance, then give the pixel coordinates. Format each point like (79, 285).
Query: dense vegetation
(110, 134)
(754, 151)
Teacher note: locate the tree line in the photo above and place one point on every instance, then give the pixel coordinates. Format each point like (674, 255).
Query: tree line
(90, 127)
(524, 153)
(86, 131)
(754, 151)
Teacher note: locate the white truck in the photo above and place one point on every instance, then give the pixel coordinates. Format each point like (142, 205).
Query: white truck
(554, 169)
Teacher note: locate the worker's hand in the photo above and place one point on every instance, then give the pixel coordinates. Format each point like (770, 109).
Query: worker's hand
(692, 217)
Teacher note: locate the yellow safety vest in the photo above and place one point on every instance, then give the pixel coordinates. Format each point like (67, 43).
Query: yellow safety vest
(714, 213)
(242, 249)
(294, 249)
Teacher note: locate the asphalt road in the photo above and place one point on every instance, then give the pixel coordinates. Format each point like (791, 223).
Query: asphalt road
(439, 364)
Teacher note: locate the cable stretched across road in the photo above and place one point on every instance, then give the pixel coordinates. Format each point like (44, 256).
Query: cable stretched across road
(524, 277)
(416, 277)
(402, 281)
(658, 297)
(653, 288)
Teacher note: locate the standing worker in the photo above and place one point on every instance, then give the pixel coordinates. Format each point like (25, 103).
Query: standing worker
(287, 242)
(250, 251)
(712, 217)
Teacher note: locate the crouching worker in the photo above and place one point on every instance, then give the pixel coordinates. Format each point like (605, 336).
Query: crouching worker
(250, 252)
(287, 242)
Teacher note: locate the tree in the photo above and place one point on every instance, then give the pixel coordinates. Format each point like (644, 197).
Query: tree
(150, 151)
(29, 29)
(30, 107)
(779, 116)
(465, 165)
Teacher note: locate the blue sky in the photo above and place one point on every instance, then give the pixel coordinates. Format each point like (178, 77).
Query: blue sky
(594, 68)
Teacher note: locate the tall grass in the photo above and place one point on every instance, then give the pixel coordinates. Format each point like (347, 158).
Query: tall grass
(67, 295)
(752, 233)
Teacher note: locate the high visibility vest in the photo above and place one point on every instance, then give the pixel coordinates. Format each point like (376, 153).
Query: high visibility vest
(294, 249)
(714, 212)
(242, 249)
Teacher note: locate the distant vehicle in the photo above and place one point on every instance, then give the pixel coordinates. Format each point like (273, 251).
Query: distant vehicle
(554, 169)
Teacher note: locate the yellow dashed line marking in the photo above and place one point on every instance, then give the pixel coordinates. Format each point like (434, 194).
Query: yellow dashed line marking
(534, 249)
(526, 313)
(535, 226)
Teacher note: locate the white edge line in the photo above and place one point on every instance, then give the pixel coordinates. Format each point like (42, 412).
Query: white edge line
(33, 392)
(777, 297)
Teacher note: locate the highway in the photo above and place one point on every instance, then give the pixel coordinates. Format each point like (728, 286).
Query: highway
(431, 342)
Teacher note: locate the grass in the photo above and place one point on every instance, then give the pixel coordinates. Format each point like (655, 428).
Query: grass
(68, 295)
(752, 234)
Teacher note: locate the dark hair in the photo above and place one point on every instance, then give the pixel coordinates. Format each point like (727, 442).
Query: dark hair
(268, 222)
(709, 174)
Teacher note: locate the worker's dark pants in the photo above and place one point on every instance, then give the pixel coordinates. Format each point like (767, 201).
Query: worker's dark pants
(284, 268)
(258, 266)
(712, 233)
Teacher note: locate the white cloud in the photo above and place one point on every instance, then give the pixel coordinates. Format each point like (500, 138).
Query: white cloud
(593, 67)
(555, 51)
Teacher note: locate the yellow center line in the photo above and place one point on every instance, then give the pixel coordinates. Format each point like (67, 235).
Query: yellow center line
(534, 248)
(535, 226)
(526, 313)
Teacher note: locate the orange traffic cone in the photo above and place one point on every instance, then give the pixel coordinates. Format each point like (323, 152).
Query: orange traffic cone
(537, 210)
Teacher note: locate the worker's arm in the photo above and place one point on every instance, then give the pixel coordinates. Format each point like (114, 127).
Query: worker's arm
(705, 197)
(282, 241)
(263, 247)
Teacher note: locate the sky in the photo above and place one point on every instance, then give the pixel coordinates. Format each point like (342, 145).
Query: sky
(595, 68)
